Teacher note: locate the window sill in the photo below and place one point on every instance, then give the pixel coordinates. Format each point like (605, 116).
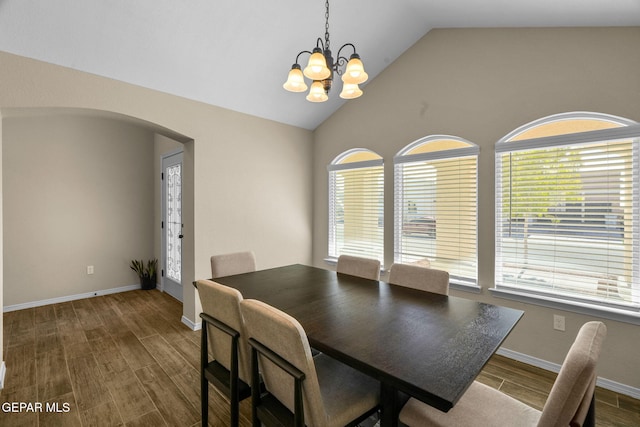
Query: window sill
(456, 286)
(570, 306)
(331, 261)
(465, 287)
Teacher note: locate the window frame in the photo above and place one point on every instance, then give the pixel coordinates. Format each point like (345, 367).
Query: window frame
(403, 158)
(627, 130)
(335, 166)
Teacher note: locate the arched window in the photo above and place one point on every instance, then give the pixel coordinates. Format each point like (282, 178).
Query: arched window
(435, 220)
(567, 210)
(356, 204)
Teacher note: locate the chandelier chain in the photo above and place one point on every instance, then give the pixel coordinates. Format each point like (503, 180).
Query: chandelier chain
(326, 26)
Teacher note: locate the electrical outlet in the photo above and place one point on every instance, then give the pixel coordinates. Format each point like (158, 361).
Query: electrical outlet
(90, 269)
(558, 322)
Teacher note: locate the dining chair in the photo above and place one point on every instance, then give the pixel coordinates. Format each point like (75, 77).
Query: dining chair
(223, 338)
(357, 266)
(301, 390)
(232, 263)
(570, 402)
(422, 278)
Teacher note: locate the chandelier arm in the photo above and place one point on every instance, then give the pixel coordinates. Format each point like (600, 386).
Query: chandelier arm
(298, 56)
(345, 45)
(342, 60)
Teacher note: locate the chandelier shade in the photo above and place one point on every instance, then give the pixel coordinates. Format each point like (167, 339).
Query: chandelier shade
(354, 73)
(317, 68)
(295, 81)
(317, 92)
(321, 68)
(350, 91)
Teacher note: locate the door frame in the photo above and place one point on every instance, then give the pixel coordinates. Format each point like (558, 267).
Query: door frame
(167, 285)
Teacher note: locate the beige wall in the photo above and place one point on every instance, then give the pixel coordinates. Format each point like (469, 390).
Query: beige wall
(479, 84)
(78, 191)
(247, 182)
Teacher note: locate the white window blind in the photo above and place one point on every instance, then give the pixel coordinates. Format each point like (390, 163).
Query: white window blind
(356, 204)
(567, 217)
(436, 211)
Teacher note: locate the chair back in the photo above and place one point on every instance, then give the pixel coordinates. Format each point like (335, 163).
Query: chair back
(422, 278)
(232, 263)
(356, 266)
(223, 303)
(285, 336)
(572, 392)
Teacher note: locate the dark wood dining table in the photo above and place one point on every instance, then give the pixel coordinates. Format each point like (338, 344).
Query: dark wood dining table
(419, 344)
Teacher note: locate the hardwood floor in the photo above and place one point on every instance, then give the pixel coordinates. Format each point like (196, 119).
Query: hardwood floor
(123, 359)
(127, 360)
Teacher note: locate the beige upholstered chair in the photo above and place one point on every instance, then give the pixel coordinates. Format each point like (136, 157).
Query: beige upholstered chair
(357, 266)
(223, 338)
(319, 392)
(569, 403)
(232, 263)
(422, 278)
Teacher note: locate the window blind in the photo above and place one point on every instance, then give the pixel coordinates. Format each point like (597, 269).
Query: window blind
(567, 219)
(356, 205)
(436, 211)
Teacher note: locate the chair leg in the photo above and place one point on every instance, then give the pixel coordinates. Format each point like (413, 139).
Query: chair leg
(590, 420)
(235, 410)
(204, 401)
(255, 388)
(233, 389)
(204, 384)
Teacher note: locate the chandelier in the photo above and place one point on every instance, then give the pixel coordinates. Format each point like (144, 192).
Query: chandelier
(321, 68)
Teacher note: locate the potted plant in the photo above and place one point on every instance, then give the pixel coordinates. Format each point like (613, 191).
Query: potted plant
(147, 273)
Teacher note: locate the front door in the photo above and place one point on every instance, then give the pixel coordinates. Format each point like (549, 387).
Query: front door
(172, 224)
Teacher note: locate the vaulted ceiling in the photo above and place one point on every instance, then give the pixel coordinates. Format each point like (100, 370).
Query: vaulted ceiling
(236, 54)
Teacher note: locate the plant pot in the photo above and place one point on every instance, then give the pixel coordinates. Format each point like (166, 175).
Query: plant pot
(147, 283)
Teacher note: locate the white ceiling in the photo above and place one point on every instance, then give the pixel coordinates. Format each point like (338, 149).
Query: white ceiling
(236, 54)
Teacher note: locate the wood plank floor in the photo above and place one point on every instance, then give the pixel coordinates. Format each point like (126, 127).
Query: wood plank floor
(127, 360)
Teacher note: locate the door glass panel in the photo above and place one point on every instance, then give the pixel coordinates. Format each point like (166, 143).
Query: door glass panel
(174, 222)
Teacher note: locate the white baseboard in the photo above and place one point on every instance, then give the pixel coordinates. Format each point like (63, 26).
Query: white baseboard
(554, 367)
(67, 298)
(3, 371)
(191, 325)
